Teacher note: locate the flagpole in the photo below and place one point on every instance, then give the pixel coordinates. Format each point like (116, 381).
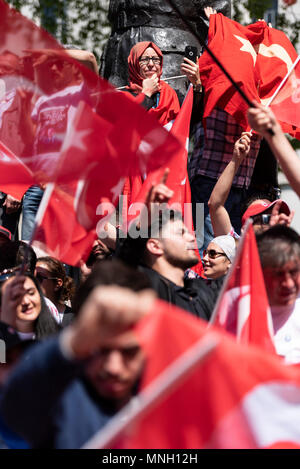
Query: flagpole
(283, 82)
(217, 61)
(158, 389)
(38, 219)
(209, 51)
(232, 267)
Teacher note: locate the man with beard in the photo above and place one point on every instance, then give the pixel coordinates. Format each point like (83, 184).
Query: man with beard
(164, 256)
(70, 386)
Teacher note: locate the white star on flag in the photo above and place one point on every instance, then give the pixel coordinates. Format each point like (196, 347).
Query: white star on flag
(4, 157)
(116, 190)
(247, 47)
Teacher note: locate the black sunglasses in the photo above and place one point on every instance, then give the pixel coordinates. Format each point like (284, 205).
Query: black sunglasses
(262, 219)
(41, 277)
(212, 253)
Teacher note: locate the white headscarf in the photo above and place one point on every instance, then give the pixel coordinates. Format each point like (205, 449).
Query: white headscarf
(227, 244)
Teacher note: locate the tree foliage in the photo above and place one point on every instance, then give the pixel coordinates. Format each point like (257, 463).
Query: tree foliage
(80, 22)
(257, 9)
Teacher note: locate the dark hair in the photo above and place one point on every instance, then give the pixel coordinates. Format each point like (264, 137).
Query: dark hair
(133, 249)
(254, 196)
(57, 269)
(45, 325)
(277, 246)
(12, 254)
(110, 272)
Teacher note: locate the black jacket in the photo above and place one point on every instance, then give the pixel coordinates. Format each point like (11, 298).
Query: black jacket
(196, 296)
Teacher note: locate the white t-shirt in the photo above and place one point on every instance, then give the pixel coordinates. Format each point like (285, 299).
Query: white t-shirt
(286, 322)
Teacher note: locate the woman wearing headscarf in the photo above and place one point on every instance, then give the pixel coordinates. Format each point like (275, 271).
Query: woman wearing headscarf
(145, 63)
(218, 256)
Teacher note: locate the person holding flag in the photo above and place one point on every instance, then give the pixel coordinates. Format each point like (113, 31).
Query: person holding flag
(145, 67)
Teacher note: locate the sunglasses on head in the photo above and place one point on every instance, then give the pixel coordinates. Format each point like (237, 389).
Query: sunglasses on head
(212, 253)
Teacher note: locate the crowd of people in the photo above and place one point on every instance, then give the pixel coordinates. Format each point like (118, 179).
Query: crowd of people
(71, 359)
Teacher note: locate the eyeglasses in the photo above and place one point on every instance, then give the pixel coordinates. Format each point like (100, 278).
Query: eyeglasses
(146, 60)
(262, 219)
(41, 277)
(212, 253)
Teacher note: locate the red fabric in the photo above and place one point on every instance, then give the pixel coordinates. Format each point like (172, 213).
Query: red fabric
(99, 153)
(136, 189)
(60, 234)
(15, 177)
(168, 106)
(36, 106)
(243, 309)
(258, 71)
(286, 104)
(219, 92)
(237, 397)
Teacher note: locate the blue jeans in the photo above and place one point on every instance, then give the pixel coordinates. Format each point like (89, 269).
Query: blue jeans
(31, 202)
(201, 188)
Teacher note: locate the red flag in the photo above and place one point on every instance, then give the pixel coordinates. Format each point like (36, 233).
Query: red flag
(15, 177)
(286, 103)
(60, 235)
(232, 45)
(41, 87)
(242, 308)
(258, 58)
(98, 154)
(178, 178)
(237, 397)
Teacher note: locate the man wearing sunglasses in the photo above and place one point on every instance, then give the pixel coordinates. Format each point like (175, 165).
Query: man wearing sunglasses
(164, 254)
(265, 214)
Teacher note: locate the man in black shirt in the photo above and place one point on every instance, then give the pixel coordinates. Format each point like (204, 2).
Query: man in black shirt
(164, 253)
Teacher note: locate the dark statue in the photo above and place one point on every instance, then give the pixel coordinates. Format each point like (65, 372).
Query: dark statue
(133, 21)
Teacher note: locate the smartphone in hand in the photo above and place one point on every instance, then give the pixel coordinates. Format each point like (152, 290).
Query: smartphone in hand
(191, 53)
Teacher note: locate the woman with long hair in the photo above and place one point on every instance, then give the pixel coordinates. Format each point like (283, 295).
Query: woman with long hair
(23, 307)
(57, 286)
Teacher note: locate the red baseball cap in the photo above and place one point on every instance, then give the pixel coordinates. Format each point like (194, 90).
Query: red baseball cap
(258, 207)
(5, 232)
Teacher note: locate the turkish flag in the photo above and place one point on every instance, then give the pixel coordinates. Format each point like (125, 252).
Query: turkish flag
(15, 177)
(202, 390)
(41, 87)
(242, 308)
(178, 178)
(60, 235)
(276, 57)
(177, 181)
(286, 104)
(258, 58)
(97, 155)
(232, 44)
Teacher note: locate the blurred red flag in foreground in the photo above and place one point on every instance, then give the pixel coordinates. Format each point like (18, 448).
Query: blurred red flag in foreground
(243, 308)
(68, 126)
(232, 396)
(98, 153)
(15, 176)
